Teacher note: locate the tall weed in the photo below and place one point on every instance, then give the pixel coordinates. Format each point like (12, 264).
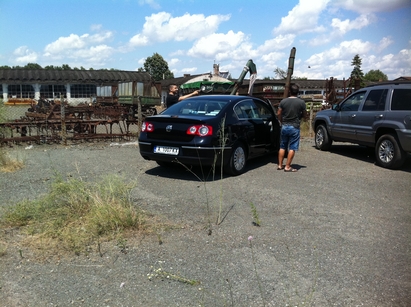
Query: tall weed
(77, 214)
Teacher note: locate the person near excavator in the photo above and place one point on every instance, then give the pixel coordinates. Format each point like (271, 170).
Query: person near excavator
(173, 97)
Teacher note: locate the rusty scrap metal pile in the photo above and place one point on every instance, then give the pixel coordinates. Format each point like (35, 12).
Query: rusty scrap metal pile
(49, 122)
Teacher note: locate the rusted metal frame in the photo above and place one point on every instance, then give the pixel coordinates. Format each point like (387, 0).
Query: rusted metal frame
(289, 72)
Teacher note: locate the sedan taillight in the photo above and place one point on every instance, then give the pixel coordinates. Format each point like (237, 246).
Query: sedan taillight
(200, 130)
(147, 127)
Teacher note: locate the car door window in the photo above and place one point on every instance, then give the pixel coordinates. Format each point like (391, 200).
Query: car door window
(246, 109)
(263, 110)
(353, 102)
(375, 100)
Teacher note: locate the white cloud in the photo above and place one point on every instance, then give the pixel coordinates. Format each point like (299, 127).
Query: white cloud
(370, 6)
(162, 27)
(212, 45)
(346, 49)
(153, 4)
(173, 62)
(24, 55)
(336, 61)
(189, 70)
(96, 27)
(90, 49)
(302, 18)
(277, 43)
(344, 26)
(139, 40)
(384, 43)
(74, 41)
(393, 65)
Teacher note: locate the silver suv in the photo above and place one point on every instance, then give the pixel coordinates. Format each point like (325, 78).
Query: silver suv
(377, 116)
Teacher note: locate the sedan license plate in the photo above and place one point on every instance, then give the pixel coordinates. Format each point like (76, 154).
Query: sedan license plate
(166, 150)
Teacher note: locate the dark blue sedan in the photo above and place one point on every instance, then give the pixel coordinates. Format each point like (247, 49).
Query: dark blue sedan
(209, 130)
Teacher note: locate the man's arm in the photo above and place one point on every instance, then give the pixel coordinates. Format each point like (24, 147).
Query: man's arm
(279, 115)
(195, 93)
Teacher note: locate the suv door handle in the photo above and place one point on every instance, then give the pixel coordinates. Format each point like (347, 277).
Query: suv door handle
(354, 115)
(379, 116)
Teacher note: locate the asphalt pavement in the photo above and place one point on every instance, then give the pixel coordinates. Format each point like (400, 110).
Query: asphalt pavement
(335, 233)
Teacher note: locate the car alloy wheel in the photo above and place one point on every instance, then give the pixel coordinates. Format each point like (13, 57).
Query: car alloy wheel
(386, 151)
(319, 137)
(322, 138)
(389, 153)
(237, 161)
(239, 158)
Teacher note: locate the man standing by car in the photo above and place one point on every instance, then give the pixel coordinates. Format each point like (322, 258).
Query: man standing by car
(173, 97)
(290, 112)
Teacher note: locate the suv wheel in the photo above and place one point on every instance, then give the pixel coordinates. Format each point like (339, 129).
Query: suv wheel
(388, 152)
(322, 138)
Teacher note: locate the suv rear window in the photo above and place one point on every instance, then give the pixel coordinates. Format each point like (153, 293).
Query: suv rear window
(401, 100)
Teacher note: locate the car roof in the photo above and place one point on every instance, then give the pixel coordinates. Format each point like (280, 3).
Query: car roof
(233, 98)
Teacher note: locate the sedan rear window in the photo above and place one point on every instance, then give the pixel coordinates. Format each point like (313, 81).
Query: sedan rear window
(200, 107)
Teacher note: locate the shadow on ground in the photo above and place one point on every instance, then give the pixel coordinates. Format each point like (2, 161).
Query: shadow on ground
(364, 154)
(197, 173)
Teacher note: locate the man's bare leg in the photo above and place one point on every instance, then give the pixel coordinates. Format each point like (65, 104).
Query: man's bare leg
(290, 157)
(281, 154)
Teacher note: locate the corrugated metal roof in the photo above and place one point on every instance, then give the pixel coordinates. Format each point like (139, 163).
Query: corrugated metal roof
(12, 76)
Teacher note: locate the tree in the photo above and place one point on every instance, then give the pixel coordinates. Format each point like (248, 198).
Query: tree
(280, 73)
(357, 76)
(375, 75)
(33, 66)
(5, 67)
(157, 67)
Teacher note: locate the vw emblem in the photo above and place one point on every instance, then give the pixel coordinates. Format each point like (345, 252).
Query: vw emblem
(169, 128)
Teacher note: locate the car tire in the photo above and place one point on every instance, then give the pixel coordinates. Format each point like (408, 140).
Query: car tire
(322, 139)
(389, 153)
(237, 161)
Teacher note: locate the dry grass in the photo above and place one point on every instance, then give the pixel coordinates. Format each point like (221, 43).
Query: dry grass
(76, 216)
(305, 129)
(8, 164)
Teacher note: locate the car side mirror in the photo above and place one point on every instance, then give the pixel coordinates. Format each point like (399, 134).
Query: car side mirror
(336, 107)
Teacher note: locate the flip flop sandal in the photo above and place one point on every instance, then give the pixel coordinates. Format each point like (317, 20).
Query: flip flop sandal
(291, 170)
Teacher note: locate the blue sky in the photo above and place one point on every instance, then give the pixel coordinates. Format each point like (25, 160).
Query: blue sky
(192, 35)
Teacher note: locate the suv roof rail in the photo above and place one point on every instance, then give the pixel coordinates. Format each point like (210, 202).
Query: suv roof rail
(390, 82)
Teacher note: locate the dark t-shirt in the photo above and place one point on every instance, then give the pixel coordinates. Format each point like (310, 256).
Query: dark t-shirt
(171, 99)
(292, 111)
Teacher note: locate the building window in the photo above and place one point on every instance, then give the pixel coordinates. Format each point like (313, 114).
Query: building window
(104, 91)
(51, 91)
(20, 91)
(83, 90)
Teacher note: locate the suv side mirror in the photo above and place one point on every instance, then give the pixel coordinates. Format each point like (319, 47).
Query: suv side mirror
(336, 107)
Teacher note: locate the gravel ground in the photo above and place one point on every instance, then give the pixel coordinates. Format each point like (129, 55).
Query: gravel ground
(336, 233)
